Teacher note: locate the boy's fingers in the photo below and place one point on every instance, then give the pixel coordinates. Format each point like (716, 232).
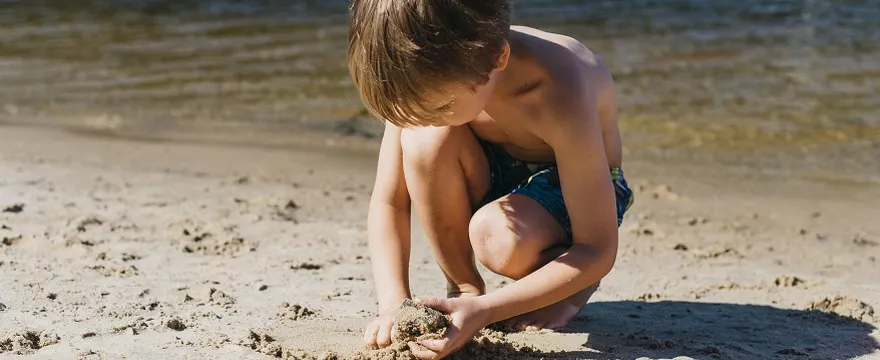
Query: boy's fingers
(370, 335)
(435, 345)
(435, 303)
(383, 337)
(421, 352)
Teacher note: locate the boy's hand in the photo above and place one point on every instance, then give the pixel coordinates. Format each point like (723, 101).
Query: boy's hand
(468, 316)
(378, 334)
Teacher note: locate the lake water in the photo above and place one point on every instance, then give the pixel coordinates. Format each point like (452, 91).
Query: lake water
(758, 84)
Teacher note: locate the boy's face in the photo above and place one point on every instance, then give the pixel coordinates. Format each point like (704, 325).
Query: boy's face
(458, 104)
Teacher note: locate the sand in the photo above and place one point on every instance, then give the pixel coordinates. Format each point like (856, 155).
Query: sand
(124, 249)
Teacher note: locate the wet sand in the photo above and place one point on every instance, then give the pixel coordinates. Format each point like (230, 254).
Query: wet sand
(117, 249)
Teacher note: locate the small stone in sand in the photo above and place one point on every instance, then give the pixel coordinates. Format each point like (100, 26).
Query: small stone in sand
(9, 241)
(680, 247)
(52, 296)
(860, 240)
(263, 288)
(788, 281)
(15, 208)
(3, 307)
(306, 266)
(176, 325)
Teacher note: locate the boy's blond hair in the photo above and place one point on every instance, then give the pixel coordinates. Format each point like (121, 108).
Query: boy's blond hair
(399, 50)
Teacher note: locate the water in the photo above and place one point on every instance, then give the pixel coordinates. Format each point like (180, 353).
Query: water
(753, 83)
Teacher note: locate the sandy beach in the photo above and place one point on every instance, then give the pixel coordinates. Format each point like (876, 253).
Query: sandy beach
(125, 249)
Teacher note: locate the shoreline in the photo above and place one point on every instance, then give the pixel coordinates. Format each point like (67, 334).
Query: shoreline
(143, 249)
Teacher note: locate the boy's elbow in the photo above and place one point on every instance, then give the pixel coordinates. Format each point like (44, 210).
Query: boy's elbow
(600, 259)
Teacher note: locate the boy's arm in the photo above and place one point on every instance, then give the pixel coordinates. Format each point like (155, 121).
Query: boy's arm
(388, 224)
(589, 196)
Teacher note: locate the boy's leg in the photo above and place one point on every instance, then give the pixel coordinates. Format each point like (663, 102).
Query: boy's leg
(514, 236)
(447, 174)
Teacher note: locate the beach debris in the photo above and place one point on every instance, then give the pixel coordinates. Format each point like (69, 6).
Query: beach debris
(648, 296)
(726, 252)
(664, 192)
(294, 312)
(14, 208)
(205, 242)
(176, 325)
(698, 221)
(788, 281)
(306, 266)
(82, 223)
(10, 240)
(287, 212)
(861, 240)
(28, 342)
(109, 271)
(220, 298)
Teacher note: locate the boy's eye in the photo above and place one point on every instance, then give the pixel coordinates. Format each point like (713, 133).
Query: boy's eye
(444, 108)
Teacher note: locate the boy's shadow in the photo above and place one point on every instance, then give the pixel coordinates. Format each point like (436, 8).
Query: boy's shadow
(630, 329)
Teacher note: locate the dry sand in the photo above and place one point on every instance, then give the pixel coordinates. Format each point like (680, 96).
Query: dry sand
(113, 249)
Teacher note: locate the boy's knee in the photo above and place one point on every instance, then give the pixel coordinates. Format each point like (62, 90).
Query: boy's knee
(427, 144)
(498, 243)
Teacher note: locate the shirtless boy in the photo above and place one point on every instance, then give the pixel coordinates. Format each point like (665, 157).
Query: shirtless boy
(504, 140)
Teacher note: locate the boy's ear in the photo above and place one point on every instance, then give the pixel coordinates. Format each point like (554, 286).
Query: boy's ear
(504, 57)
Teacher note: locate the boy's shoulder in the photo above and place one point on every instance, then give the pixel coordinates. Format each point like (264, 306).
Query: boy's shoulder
(580, 85)
(569, 44)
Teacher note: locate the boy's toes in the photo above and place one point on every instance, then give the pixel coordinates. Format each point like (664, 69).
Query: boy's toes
(535, 327)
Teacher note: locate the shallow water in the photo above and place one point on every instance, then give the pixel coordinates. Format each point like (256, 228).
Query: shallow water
(758, 84)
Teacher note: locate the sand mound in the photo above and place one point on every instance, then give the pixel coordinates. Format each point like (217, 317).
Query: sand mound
(846, 307)
(418, 322)
(28, 342)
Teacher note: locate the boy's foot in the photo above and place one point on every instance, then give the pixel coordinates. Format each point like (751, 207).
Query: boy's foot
(554, 316)
(456, 291)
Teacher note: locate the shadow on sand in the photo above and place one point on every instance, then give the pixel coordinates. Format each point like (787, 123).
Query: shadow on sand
(630, 330)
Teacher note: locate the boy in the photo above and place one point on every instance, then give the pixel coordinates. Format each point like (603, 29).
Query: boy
(487, 127)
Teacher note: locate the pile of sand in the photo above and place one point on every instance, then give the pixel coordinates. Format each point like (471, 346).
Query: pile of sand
(417, 322)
